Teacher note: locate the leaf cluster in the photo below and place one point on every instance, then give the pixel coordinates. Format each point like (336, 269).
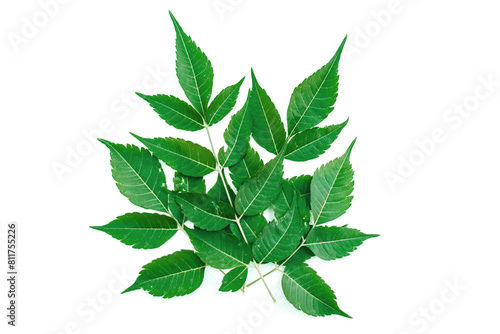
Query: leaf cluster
(226, 224)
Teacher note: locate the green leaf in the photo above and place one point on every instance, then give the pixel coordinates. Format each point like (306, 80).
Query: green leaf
(301, 255)
(335, 242)
(252, 226)
(223, 103)
(313, 99)
(182, 155)
(279, 239)
(258, 192)
(177, 274)
(311, 143)
(246, 168)
(219, 194)
(202, 210)
(331, 186)
(194, 70)
(189, 184)
(268, 129)
(141, 230)
(307, 292)
(220, 249)
(138, 176)
(283, 203)
(303, 184)
(237, 137)
(234, 279)
(175, 112)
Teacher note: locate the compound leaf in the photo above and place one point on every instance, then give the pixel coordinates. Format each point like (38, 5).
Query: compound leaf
(141, 230)
(194, 70)
(307, 292)
(177, 274)
(331, 186)
(313, 99)
(175, 112)
(138, 175)
(220, 249)
(182, 155)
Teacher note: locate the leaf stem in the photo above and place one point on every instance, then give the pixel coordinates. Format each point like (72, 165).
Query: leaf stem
(258, 279)
(264, 281)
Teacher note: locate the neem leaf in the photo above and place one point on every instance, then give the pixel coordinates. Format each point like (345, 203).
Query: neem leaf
(202, 210)
(246, 168)
(175, 112)
(268, 129)
(258, 192)
(220, 249)
(279, 239)
(182, 155)
(303, 184)
(177, 274)
(194, 70)
(237, 137)
(234, 279)
(252, 226)
(335, 242)
(141, 230)
(223, 104)
(138, 176)
(307, 292)
(219, 194)
(311, 143)
(313, 99)
(189, 184)
(283, 203)
(331, 186)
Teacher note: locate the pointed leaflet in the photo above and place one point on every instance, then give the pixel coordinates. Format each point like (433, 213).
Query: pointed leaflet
(268, 129)
(279, 238)
(313, 99)
(257, 193)
(335, 242)
(311, 143)
(175, 112)
(141, 230)
(181, 155)
(138, 176)
(331, 186)
(246, 168)
(234, 279)
(177, 274)
(202, 210)
(194, 70)
(307, 292)
(223, 104)
(189, 184)
(236, 136)
(252, 226)
(220, 249)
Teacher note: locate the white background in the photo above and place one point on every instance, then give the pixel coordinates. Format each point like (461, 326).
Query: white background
(400, 75)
